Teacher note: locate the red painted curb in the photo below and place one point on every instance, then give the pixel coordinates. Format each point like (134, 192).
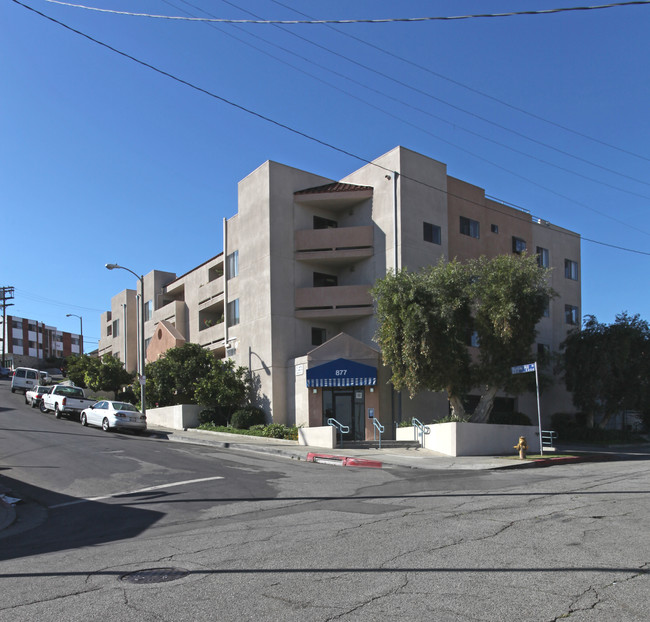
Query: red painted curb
(347, 460)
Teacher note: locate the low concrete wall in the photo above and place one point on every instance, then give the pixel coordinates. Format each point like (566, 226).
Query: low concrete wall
(479, 439)
(177, 417)
(406, 434)
(322, 436)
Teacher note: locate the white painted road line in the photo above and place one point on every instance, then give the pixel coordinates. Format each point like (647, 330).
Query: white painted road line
(134, 492)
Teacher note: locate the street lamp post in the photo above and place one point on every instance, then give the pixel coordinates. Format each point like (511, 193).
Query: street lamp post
(81, 329)
(114, 266)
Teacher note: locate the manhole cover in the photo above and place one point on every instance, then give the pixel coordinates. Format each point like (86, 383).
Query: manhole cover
(155, 575)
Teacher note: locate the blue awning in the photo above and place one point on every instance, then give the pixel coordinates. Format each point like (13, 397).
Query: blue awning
(342, 373)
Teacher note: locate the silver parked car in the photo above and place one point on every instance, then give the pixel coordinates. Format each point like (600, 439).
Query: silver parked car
(114, 415)
(34, 396)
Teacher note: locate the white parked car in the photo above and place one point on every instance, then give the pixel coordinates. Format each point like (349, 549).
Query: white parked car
(34, 396)
(114, 415)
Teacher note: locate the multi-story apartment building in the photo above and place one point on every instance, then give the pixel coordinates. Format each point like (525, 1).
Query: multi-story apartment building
(29, 342)
(289, 297)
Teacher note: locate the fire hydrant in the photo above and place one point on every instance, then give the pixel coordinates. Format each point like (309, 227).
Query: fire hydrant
(522, 446)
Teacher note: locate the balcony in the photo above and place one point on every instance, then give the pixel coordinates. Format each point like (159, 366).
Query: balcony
(210, 291)
(212, 336)
(342, 303)
(341, 246)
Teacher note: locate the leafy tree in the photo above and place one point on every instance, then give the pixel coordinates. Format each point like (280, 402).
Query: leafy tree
(607, 367)
(510, 294)
(425, 321)
(224, 387)
(112, 375)
(172, 379)
(76, 367)
(423, 324)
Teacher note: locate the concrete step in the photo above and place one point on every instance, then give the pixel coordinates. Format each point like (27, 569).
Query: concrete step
(384, 444)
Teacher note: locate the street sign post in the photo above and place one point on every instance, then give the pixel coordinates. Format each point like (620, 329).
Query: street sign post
(524, 369)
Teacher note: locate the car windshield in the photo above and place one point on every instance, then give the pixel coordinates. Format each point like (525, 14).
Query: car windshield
(124, 406)
(40, 389)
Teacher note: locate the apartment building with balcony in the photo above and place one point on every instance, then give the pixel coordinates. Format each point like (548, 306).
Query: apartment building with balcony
(289, 296)
(28, 343)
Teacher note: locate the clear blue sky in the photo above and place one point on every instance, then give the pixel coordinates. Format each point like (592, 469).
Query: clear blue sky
(104, 160)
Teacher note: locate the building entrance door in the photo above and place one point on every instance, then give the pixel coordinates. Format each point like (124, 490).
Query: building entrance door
(346, 406)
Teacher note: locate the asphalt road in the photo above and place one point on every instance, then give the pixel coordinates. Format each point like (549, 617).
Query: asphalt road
(106, 517)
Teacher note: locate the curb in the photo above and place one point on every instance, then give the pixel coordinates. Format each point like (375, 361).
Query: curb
(344, 461)
(546, 462)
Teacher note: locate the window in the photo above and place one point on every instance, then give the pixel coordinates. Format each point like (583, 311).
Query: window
(109, 330)
(116, 327)
(318, 336)
(148, 310)
(472, 339)
(325, 280)
(547, 309)
(494, 228)
(518, 245)
(543, 348)
(469, 227)
(233, 312)
(232, 265)
(146, 345)
(431, 233)
(571, 315)
(324, 223)
(571, 269)
(542, 257)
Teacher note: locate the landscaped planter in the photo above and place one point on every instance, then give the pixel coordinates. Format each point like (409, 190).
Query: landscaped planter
(479, 439)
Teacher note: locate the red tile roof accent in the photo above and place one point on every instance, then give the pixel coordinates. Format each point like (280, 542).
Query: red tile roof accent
(334, 187)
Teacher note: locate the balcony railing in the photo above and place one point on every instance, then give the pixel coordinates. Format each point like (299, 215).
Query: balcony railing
(343, 301)
(343, 244)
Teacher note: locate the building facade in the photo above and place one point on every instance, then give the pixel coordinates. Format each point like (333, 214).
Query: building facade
(289, 297)
(28, 343)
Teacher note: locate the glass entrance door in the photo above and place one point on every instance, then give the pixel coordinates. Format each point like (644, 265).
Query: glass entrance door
(347, 407)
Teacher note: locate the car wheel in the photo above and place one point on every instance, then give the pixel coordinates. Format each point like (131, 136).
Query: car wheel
(83, 419)
(26, 400)
(33, 404)
(105, 425)
(13, 390)
(42, 407)
(57, 412)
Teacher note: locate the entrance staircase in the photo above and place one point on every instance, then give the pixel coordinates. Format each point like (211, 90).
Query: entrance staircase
(384, 444)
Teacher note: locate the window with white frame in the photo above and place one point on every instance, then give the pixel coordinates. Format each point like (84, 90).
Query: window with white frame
(571, 269)
(571, 315)
(232, 265)
(543, 260)
(432, 233)
(470, 227)
(233, 312)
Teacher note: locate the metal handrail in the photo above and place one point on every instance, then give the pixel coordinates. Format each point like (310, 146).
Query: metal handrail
(548, 438)
(377, 427)
(343, 429)
(419, 429)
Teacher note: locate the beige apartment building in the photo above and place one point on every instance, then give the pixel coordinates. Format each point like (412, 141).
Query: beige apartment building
(289, 295)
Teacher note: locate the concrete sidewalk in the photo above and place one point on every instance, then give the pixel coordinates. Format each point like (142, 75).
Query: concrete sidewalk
(388, 457)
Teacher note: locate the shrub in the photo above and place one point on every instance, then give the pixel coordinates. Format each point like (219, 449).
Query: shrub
(406, 423)
(512, 418)
(215, 416)
(244, 418)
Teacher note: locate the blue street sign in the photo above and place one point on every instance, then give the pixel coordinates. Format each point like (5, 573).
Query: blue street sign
(523, 369)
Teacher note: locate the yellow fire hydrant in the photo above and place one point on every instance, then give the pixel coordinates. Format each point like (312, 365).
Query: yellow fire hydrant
(522, 446)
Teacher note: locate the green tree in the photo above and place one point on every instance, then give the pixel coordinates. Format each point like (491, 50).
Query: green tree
(172, 379)
(77, 366)
(425, 321)
(112, 375)
(607, 367)
(225, 388)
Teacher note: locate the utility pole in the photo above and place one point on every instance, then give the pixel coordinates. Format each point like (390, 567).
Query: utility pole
(6, 293)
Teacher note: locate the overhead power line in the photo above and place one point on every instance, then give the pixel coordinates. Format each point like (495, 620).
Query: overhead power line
(437, 74)
(386, 20)
(283, 125)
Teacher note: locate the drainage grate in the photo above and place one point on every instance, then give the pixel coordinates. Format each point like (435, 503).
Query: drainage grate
(155, 575)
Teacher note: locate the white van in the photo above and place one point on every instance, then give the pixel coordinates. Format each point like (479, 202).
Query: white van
(24, 379)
